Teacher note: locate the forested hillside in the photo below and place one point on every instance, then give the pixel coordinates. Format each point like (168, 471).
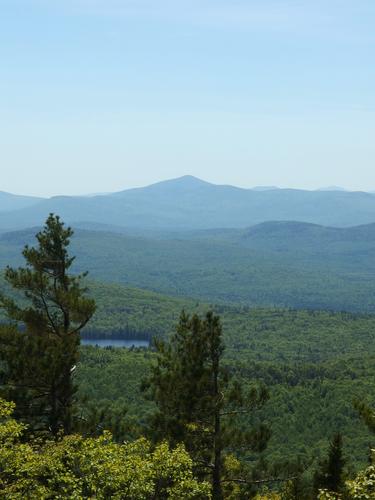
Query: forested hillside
(309, 401)
(308, 373)
(284, 264)
(315, 364)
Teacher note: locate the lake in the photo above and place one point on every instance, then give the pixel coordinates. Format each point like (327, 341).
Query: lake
(115, 342)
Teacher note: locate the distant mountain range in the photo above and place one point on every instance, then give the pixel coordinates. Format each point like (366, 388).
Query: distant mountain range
(332, 188)
(9, 202)
(189, 203)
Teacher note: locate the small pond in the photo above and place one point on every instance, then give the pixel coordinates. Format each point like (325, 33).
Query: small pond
(116, 342)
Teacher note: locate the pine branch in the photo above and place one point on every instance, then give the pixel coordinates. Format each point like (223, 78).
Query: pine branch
(259, 481)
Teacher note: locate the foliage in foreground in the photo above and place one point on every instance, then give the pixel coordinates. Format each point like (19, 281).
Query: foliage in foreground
(200, 404)
(330, 475)
(361, 488)
(54, 311)
(78, 468)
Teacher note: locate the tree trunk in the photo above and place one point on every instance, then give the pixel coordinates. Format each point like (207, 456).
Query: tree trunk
(54, 419)
(217, 493)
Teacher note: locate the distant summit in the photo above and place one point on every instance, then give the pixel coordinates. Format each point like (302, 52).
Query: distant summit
(186, 182)
(332, 188)
(190, 203)
(265, 188)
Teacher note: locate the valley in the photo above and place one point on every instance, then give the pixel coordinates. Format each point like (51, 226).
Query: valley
(296, 301)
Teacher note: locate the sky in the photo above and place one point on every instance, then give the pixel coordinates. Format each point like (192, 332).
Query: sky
(104, 95)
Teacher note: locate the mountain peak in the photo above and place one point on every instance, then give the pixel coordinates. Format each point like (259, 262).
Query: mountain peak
(186, 181)
(265, 188)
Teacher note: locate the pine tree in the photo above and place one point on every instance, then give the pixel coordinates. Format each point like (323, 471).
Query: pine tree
(199, 402)
(330, 475)
(40, 349)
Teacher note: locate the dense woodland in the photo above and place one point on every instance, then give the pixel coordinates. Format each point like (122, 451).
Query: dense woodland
(229, 401)
(294, 265)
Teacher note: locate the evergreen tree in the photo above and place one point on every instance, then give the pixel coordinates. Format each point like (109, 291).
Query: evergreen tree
(367, 413)
(40, 348)
(200, 403)
(330, 475)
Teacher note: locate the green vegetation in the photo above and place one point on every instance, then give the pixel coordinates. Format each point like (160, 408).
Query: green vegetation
(330, 475)
(203, 381)
(276, 264)
(199, 404)
(314, 363)
(81, 468)
(39, 361)
(308, 403)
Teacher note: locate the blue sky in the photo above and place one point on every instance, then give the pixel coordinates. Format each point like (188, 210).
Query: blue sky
(101, 95)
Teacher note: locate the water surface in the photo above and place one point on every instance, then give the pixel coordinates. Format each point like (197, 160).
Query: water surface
(116, 342)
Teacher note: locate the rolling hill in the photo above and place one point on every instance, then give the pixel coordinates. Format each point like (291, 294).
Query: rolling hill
(283, 264)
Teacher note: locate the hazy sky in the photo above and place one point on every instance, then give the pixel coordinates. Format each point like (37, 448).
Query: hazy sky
(101, 95)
